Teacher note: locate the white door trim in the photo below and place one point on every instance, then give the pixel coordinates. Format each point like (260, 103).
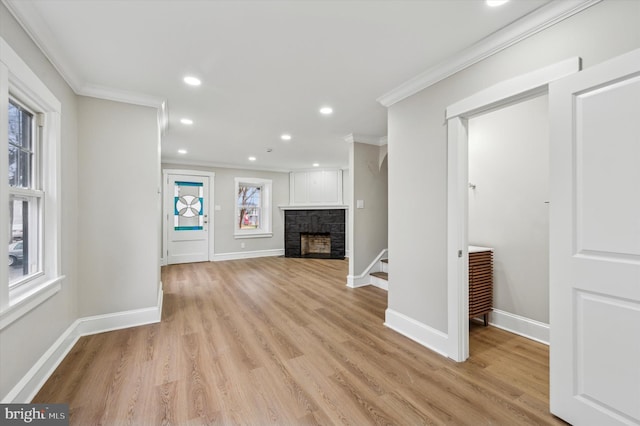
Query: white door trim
(502, 94)
(165, 212)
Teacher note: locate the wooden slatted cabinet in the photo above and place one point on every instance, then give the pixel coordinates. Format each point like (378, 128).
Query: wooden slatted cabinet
(480, 282)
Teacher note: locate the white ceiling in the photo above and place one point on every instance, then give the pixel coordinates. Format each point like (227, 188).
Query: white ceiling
(266, 66)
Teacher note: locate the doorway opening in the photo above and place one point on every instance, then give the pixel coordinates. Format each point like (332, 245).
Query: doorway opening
(508, 212)
(509, 92)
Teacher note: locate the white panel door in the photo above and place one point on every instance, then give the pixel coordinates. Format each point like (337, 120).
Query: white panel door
(187, 218)
(595, 244)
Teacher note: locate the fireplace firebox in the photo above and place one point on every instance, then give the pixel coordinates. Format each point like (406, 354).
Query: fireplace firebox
(315, 244)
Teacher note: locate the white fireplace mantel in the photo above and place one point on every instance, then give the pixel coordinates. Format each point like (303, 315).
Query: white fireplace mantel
(315, 207)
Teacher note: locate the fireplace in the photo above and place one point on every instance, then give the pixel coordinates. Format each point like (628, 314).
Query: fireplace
(316, 233)
(315, 244)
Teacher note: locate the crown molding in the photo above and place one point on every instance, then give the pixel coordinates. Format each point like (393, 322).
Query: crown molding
(183, 162)
(211, 164)
(111, 94)
(370, 140)
(37, 28)
(529, 25)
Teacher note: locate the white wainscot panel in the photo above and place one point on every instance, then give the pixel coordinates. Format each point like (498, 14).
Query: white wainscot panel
(608, 171)
(316, 187)
(300, 188)
(330, 189)
(608, 340)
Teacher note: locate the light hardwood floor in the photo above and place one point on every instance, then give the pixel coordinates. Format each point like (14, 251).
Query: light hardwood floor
(284, 341)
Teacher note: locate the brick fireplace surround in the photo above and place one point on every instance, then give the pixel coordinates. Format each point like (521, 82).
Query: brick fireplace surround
(312, 221)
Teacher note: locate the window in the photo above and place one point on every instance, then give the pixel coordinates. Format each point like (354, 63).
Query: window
(25, 195)
(253, 208)
(29, 188)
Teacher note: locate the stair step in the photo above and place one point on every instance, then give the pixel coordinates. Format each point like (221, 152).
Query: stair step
(383, 275)
(384, 265)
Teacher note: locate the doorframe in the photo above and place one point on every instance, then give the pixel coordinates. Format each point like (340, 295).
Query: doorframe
(508, 92)
(166, 195)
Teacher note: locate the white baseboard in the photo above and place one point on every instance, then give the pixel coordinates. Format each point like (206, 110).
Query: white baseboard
(247, 254)
(361, 281)
(522, 326)
(417, 331)
(355, 281)
(119, 320)
(24, 391)
(358, 280)
(380, 283)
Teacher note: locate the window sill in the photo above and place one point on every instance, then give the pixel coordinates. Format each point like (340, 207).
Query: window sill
(26, 300)
(254, 235)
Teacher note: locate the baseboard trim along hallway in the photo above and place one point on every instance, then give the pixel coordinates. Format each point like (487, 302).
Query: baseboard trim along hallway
(30, 384)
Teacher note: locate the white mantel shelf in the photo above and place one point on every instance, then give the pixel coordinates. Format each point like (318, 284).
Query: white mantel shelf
(315, 207)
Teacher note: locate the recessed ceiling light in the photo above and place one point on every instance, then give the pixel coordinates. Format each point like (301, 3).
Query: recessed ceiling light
(316, 165)
(186, 121)
(285, 137)
(494, 3)
(326, 110)
(192, 81)
(252, 158)
(182, 151)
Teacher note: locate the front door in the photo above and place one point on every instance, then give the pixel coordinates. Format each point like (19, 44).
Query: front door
(595, 244)
(187, 218)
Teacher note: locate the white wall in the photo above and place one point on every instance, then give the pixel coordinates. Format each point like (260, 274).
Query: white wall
(509, 165)
(24, 341)
(346, 198)
(118, 206)
(368, 226)
(418, 148)
(224, 219)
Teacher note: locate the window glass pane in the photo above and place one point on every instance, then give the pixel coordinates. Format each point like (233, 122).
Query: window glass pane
(20, 125)
(20, 146)
(249, 206)
(23, 241)
(23, 169)
(13, 165)
(188, 206)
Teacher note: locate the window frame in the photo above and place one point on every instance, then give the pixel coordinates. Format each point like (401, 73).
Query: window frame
(19, 83)
(265, 228)
(33, 193)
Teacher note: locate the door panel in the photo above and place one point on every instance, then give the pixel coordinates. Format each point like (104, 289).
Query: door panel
(607, 135)
(595, 244)
(188, 220)
(596, 316)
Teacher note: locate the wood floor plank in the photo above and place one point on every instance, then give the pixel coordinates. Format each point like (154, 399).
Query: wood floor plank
(284, 341)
